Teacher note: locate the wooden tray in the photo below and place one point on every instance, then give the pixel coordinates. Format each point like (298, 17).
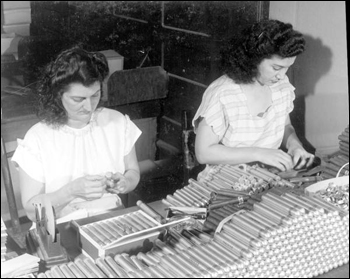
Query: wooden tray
(131, 243)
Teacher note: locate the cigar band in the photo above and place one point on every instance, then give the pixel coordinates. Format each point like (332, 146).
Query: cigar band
(240, 200)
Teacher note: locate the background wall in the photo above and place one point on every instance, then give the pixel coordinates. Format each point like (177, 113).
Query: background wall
(320, 74)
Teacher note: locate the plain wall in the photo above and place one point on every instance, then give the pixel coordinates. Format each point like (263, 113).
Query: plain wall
(320, 74)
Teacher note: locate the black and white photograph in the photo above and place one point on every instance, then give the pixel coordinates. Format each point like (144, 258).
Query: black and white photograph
(174, 139)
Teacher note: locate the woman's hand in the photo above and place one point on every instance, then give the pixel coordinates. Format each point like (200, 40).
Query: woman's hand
(276, 158)
(301, 157)
(89, 187)
(117, 183)
(295, 148)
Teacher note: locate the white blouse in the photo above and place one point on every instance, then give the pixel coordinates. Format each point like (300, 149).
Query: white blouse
(56, 157)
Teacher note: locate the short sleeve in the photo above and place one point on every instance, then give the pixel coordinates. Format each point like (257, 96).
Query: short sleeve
(213, 111)
(27, 155)
(291, 98)
(132, 133)
(288, 95)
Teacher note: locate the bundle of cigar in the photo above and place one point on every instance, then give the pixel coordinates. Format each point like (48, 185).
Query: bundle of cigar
(283, 236)
(339, 159)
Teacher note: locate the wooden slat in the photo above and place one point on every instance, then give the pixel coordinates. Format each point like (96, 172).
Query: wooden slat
(137, 85)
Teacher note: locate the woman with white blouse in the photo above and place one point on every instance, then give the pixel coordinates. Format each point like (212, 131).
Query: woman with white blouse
(80, 155)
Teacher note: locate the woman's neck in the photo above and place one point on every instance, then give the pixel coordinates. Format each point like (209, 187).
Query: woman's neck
(76, 124)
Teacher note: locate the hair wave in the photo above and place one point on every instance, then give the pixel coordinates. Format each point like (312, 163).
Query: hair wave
(260, 41)
(74, 65)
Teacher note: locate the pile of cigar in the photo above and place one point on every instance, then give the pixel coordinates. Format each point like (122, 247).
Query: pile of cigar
(335, 163)
(284, 236)
(226, 190)
(239, 180)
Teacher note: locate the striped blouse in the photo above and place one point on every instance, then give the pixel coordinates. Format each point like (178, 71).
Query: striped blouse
(224, 106)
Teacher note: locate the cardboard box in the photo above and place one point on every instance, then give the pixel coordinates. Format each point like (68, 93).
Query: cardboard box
(18, 29)
(115, 63)
(10, 5)
(115, 60)
(8, 43)
(17, 16)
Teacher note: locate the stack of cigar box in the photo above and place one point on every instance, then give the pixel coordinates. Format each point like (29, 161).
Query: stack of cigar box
(3, 240)
(335, 162)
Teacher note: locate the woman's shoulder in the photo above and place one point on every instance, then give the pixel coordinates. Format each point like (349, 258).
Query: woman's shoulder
(223, 82)
(39, 132)
(110, 115)
(39, 129)
(223, 86)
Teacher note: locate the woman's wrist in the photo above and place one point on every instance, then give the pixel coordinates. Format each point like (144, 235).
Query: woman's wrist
(294, 145)
(62, 197)
(257, 154)
(68, 190)
(132, 178)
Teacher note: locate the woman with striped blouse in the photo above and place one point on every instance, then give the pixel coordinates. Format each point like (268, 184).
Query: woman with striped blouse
(244, 114)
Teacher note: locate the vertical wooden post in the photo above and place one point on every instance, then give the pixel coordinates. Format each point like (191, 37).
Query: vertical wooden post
(5, 170)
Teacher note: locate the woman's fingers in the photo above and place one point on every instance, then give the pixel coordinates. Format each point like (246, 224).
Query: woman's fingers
(286, 160)
(310, 160)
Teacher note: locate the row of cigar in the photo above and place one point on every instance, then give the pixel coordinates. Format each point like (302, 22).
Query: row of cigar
(224, 180)
(243, 177)
(283, 236)
(105, 232)
(339, 159)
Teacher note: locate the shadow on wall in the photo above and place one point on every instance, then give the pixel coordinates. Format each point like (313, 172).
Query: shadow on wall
(308, 69)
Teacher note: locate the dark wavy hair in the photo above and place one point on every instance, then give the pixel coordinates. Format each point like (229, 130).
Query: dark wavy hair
(74, 65)
(260, 41)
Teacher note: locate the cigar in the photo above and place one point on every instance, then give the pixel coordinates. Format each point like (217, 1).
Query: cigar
(150, 211)
(237, 200)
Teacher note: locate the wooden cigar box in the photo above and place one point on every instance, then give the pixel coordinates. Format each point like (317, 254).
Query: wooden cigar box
(131, 242)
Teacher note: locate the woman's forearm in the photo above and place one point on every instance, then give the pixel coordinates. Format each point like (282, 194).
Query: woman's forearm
(290, 138)
(59, 199)
(220, 154)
